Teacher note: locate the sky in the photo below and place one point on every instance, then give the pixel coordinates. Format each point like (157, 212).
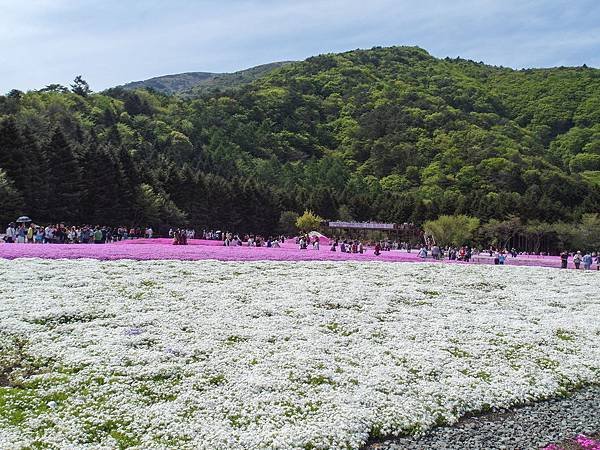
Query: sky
(112, 42)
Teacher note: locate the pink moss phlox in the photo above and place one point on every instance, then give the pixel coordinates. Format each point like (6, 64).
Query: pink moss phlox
(587, 443)
(552, 447)
(153, 249)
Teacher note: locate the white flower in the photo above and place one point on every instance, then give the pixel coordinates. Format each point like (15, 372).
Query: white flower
(252, 355)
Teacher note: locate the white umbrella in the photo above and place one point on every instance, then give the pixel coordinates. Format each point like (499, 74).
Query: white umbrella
(23, 219)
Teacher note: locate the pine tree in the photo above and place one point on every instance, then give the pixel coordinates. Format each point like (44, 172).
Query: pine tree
(98, 182)
(80, 87)
(65, 184)
(113, 136)
(11, 201)
(35, 193)
(12, 158)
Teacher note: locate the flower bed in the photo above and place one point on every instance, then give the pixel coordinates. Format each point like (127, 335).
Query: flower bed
(151, 249)
(212, 354)
(580, 442)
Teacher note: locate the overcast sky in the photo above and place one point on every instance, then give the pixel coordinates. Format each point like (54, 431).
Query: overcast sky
(111, 42)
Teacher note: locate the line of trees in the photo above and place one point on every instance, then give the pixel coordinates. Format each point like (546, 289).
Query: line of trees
(532, 237)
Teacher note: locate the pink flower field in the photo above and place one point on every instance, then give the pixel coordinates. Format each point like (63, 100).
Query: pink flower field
(149, 249)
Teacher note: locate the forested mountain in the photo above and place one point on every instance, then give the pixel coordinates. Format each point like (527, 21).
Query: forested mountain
(171, 84)
(197, 83)
(390, 134)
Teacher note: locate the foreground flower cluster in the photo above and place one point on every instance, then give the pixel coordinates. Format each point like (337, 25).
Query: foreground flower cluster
(180, 354)
(582, 442)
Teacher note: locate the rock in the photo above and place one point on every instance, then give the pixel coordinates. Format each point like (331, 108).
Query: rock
(529, 427)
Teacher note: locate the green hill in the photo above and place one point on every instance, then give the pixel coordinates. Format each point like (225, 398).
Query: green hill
(198, 83)
(389, 134)
(171, 84)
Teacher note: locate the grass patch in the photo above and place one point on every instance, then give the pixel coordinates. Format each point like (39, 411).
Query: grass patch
(564, 335)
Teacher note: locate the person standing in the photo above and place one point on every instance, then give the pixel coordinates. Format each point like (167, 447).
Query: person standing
(30, 233)
(39, 235)
(564, 260)
(468, 254)
(577, 259)
(587, 261)
(302, 244)
(21, 234)
(11, 234)
(98, 236)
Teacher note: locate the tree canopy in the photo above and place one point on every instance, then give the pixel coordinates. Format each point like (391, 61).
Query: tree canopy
(387, 134)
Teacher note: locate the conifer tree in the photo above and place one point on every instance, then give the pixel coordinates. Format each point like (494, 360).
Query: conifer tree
(11, 201)
(65, 184)
(12, 158)
(35, 193)
(102, 179)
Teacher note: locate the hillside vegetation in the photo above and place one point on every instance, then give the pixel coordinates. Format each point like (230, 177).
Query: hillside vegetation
(197, 83)
(390, 134)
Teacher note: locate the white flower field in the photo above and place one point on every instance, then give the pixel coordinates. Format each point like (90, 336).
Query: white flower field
(246, 355)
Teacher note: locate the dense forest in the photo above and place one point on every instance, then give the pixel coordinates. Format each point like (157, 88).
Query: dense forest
(387, 134)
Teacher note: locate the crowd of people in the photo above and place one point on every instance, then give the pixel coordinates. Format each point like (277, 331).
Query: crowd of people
(463, 253)
(88, 234)
(228, 239)
(586, 260)
(180, 236)
(30, 233)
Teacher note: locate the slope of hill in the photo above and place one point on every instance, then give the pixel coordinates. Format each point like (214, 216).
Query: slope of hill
(197, 83)
(171, 84)
(390, 134)
(234, 80)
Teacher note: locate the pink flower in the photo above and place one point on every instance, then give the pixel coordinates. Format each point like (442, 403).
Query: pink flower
(552, 447)
(147, 249)
(587, 443)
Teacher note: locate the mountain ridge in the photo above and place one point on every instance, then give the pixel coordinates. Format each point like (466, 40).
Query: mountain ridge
(198, 83)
